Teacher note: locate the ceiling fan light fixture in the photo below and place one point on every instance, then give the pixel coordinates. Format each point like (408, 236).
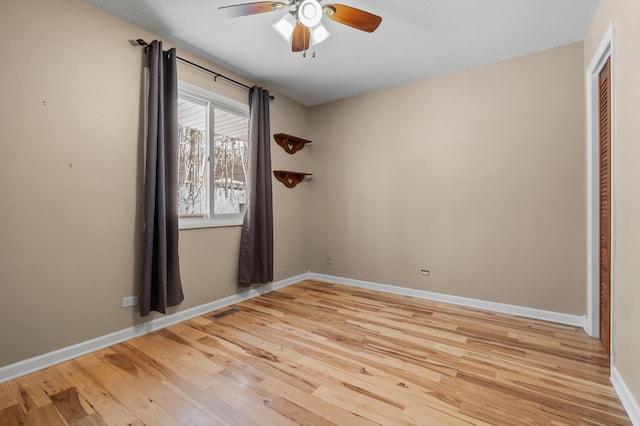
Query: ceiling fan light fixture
(319, 34)
(309, 13)
(285, 26)
(301, 26)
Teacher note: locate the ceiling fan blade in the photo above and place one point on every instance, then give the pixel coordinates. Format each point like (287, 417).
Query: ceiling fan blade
(300, 38)
(355, 18)
(243, 9)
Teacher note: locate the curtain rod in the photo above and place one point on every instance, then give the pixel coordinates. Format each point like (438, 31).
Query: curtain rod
(141, 43)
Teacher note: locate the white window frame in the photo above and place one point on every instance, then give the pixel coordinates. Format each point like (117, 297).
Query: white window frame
(221, 102)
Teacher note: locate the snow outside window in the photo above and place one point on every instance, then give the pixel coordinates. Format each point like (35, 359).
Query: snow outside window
(213, 137)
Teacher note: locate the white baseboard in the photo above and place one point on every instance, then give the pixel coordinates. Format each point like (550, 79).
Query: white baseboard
(629, 403)
(39, 362)
(30, 365)
(568, 319)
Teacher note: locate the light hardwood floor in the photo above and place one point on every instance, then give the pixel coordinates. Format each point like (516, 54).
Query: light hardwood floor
(317, 354)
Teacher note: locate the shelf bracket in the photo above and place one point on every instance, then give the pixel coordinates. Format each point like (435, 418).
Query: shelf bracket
(289, 178)
(291, 144)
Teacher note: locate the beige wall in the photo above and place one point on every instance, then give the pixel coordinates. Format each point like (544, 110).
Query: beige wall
(70, 179)
(477, 176)
(626, 131)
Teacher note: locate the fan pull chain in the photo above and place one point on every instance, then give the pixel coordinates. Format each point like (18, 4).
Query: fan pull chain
(313, 47)
(304, 52)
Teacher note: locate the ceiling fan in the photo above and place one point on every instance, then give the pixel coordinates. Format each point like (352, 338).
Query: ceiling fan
(302, 25)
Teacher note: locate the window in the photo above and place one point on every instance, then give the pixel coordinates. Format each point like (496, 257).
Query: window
(213, 156)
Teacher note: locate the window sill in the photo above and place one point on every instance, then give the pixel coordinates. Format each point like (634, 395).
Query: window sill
(209, 223)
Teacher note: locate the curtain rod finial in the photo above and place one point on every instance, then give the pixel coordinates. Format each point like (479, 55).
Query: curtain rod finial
(138, 43)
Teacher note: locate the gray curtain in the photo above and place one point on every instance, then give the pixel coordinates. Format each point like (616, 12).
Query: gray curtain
(161, 285)
(256, 243)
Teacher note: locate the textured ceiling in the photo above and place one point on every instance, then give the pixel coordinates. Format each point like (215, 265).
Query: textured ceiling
(417, 39)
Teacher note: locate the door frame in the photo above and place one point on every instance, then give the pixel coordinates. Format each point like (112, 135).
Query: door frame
(604, 52)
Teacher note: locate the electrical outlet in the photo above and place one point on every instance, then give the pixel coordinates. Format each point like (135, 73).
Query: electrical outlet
(424, 272)
(129, 301)
(329, 259)
(285, 262)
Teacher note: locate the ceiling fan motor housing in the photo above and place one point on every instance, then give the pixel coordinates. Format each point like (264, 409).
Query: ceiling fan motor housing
(309, 13)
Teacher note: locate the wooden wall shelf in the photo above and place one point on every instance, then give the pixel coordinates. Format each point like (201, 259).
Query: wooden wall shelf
(291, 144)
(289, 178)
